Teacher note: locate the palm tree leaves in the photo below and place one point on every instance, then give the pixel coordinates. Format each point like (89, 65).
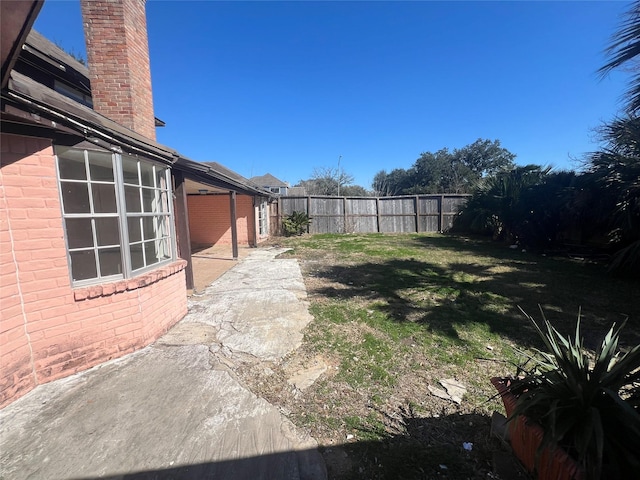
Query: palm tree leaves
(617, 166)
(615, 170)
(624, 48)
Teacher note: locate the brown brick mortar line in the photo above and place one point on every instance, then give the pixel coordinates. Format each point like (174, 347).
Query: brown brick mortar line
(143, 280)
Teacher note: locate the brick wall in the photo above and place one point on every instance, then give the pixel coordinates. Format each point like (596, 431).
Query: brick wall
(118, 57)
(210, 219)
(47, 329)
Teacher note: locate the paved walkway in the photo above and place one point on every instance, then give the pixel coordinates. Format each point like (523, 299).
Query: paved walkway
(174, 409)
(211, 263)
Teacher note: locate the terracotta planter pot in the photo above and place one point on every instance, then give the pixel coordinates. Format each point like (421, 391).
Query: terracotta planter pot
(526, 437)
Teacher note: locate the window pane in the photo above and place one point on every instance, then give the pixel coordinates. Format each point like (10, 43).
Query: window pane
(149, 200)
(130, 171)
(101, 166)
(149, 227)
(75, 197)
(107, 232)
(151, 252)
(135, 230)
(132, 199)
(71, 164)
(83, 265)
(137, 260)
(110, 261)
(161, 177)
(79, 234)
(164, 249)
(104, 198)
(163, 226)
(164, 202)
(146, 173)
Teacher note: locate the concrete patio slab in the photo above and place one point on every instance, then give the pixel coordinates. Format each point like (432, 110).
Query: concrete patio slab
(175, 409)
(258, 308)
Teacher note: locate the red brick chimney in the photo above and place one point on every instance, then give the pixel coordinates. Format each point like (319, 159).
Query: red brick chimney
(115, 32)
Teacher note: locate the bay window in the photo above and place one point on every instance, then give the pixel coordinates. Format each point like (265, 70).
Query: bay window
(117, 213)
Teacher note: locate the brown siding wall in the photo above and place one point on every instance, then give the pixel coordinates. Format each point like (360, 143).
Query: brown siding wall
(49, 330)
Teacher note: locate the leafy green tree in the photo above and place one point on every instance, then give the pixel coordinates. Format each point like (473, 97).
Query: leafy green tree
(485, 158)
(439, 172)
(393, 183)
(354, 191)
(446, 171)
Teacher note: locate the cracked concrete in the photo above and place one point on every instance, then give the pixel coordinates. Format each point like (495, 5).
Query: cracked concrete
(175, 409)
(259, 309)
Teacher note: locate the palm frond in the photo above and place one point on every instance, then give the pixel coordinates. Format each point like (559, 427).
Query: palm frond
(624, 48)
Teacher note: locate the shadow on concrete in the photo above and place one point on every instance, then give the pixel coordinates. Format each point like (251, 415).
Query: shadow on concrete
(406, 447)
(273, 466)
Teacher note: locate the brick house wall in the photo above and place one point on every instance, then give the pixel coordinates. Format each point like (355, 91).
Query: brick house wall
(119, 67)
(49, 330)
(210, 219)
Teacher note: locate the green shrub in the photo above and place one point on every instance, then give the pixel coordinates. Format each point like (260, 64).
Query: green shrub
(295, 223)
(592, 411)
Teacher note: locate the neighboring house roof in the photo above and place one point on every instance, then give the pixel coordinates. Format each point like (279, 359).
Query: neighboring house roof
(26, 102)
(297, 192)
(268, 180)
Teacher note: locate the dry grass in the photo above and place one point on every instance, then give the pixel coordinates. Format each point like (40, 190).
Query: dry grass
(397, 313)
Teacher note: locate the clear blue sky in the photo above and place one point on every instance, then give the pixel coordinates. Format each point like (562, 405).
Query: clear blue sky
(283, 87)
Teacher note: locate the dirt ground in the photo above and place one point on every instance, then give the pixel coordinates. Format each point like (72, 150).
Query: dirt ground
(325, 408)
(211, 262)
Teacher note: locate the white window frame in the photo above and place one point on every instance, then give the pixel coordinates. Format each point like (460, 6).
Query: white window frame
(160, 193)
(263, 219)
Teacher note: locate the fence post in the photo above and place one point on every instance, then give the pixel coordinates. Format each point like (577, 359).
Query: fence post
(309, 213)
(378, 215)
(344, 215)
(441, 216)
(416, 204)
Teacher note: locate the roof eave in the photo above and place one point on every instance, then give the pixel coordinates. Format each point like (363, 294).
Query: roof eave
(18, 19)
(96, 128)
(204, 173)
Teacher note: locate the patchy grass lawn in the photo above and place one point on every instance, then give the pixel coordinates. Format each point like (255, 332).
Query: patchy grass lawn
(395, 314)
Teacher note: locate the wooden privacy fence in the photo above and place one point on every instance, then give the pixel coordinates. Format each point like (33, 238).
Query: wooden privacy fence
(406, 214)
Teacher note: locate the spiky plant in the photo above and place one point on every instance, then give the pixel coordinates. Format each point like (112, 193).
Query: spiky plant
(296, 223)
(587, 404)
